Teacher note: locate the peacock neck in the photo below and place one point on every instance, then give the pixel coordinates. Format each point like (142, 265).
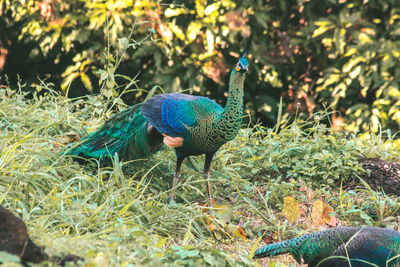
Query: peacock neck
(231, 118)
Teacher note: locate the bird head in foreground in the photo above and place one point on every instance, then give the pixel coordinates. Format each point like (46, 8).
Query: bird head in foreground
(242, 65)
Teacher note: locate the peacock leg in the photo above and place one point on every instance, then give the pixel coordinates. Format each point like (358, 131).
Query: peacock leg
(177, 175)
(206, 174)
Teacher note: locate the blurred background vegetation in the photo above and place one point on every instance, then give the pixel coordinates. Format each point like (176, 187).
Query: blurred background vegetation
(334, 55)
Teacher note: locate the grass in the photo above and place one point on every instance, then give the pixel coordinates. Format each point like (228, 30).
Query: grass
(118, 214)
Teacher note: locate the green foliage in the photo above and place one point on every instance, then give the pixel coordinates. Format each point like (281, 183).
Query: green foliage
(337, 54)
(361, 42)
(306, 150)
(119, 213)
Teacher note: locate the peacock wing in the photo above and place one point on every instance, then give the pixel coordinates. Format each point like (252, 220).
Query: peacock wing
(173, 113)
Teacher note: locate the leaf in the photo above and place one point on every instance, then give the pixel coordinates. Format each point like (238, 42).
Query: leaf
(86, 81)
(178, 32)
(351, 52)
(364, 38)
(323, 27)
(193, 30)
(316, 212)
(173, 12)
(161, 242)
(108, 93)
(328, 216)
(321, 213)
(351, 63)
(291, 209)
(353, 74)
(200, 8)
(166, 32)
(211, 8)
(68, 80)
(237, 231)
(224, 212)
(340, 42)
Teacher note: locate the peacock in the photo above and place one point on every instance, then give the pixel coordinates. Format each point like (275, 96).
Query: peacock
(14, 239)
(192, 125)
(340, 246)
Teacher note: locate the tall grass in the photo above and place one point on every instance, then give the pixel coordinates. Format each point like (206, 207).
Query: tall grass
(118, 214)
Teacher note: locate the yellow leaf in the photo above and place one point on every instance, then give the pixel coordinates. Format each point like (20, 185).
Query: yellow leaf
(210, 41)
(291, 209)
(364, 38)
(68, 80)
(211, 8)
(350, 52)
(193, 30)
(86, 81)
(316, 212)
(172, 12)
(200, 8)
(237, 231)
(323, 27)
(353, 74)
(161, 243)
(321, 213)
(351, 63)
(328, 216)
(224, 212)
(178, 32)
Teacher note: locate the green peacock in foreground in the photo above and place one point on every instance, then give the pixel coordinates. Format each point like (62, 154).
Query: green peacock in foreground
(360, 246)
(193, 125)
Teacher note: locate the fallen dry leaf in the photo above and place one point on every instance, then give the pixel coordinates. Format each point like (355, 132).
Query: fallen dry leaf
(291, 209)
(322, 213)
(237, 231)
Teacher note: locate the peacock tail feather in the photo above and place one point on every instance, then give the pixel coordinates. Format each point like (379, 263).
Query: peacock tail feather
(124, 133)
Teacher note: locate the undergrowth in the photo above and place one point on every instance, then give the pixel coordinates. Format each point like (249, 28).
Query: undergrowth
(117, 215)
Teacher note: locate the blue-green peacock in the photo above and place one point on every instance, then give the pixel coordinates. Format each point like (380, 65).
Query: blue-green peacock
(193, 125)
(360, 246)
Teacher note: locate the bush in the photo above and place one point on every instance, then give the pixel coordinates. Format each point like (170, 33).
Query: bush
(337, 54)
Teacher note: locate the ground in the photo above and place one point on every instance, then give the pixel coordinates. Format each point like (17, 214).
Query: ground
(383, 175)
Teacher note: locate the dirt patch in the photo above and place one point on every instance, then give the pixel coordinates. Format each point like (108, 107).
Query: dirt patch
(382, 176)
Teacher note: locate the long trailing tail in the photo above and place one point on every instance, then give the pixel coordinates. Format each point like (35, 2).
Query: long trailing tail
(287, 246)
(283, 247)
(273, 249)
(128, 134)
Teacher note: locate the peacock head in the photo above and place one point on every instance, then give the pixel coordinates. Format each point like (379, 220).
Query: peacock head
(242, 65)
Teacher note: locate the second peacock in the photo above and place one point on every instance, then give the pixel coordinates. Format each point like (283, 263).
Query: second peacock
(341, 246)
(193, 125)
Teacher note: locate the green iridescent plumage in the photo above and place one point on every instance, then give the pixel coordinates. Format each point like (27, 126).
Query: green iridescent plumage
(338, 246)
(202, 124)
(124, 134)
